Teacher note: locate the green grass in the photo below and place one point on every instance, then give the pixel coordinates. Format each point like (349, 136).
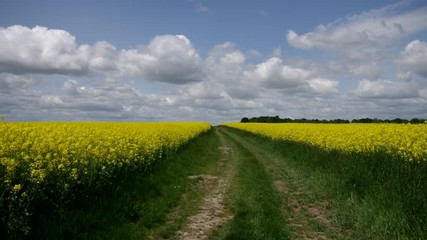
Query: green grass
(371, 196)
(377, 197)
(139, 206)
(253, 200)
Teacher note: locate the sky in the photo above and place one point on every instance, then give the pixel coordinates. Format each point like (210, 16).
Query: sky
(214, 61)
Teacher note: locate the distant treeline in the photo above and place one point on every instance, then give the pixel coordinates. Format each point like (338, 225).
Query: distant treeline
(277, 119)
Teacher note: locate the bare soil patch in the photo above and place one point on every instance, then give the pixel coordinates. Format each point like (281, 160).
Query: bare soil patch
(305, 218)
(211, 213)
(225, 150)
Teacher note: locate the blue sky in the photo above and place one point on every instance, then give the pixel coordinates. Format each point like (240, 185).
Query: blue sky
(212, 60)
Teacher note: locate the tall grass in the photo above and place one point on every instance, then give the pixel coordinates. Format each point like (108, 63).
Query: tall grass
(376, 196)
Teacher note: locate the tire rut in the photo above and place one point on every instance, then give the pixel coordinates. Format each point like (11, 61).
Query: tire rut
(211, 213)
(303, 218)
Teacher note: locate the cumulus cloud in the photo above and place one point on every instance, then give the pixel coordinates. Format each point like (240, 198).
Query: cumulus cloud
(42, 50)
(386, 89)
(223, 54)
(224, 63)
(103, 99)
(414, 58)
(101, 82)
(38, 50)
(18, 92)
(371, 28)
(167, 58)
(366, 42)
(323, 86)
(274, 74)
(224, 67)
(24, 97)
(10, 82)
(203, 91)
(371, 70)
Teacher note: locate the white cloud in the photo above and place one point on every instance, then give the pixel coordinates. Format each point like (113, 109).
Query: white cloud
(325, 68)
(10, 82)
(386, 89)
(224, 67)
(367, 43)
(167, 58)
(25, 50)
(372, 28)
(274, 74)
(48, 51)
(203, 90)
(105, 97)
(225, 54)
(414, 58)
(102, 57)
(224, 64)
(371, 70)
(100, 82)
(17, 92)
(323, 86)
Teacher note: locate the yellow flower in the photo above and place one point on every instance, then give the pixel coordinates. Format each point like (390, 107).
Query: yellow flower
(17, 188)
(74, 175)
(55, 153)
(407, 142)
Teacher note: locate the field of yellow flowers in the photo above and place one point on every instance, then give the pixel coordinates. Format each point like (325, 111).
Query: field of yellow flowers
(54, 161)
(405, 141)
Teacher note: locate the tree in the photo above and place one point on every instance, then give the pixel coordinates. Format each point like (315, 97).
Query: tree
(244, 120)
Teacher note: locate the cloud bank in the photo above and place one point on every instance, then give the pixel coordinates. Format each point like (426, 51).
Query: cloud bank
(375, 71)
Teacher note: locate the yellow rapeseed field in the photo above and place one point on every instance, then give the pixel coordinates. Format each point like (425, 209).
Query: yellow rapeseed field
(405, 141)
(38, 160)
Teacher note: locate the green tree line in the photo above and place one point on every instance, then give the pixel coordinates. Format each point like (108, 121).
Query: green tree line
(277, 119)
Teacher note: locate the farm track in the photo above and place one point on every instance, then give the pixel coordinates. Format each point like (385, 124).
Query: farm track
(305, 219)
(211, 213)
(300, 217)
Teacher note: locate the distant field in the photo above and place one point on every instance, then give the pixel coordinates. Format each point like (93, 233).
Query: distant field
(404, 141)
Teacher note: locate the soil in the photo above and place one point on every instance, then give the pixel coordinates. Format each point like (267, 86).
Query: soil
(302, 214)
(211, 213)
